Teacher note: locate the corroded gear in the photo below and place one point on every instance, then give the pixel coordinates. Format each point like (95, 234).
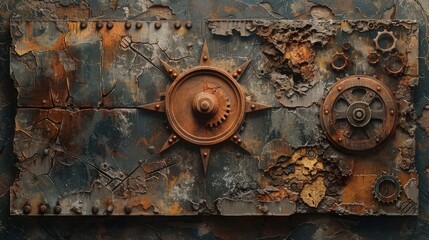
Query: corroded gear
(339, 61)
(387, 188)
(359, 113)
(373, 58)
(385, 41)
(394, 64)
(205, 96)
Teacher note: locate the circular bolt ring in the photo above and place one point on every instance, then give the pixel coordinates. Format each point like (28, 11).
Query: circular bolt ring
(385, 36)
(384, 181)
(373, 58)
(375, 135)
(394, 64)
(184, 128)
(339, 61)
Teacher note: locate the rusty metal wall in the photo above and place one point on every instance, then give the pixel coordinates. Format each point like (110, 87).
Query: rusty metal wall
(209, 227)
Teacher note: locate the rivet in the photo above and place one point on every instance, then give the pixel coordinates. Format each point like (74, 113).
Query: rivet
(235, 75)
(109, 209)
(27, 209)
(378, 88)
(340, 88)
(377, 140)
(83, 25)
(205, 154)
(42, 209)
(46, 151)
(109, 25)
(235, 137)
(95, 209)
(99, 24)
(205, 58)
(177, 25)
(392, 112)
(158, 25)
(239, 70)
(174, 137)
(139, 25)
(157, 106)
(188, 24)
(127, 25)
(253, 106)
(340, 139)
(326, 111)
(238, 155)
(239, 140)
(57, 209)
(44, 101)
(127, 209)
(170, 70)
(174, 75)
(170, 140)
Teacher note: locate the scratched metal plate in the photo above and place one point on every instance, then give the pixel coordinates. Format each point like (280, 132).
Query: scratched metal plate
(86, 146)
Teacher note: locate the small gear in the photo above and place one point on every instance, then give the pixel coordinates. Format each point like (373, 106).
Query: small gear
(387, 188)
(223, 110)
(385, 41)
(339, 61)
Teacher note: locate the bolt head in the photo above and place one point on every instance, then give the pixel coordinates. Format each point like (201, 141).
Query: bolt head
(109, 25)
(26, 209)
(83, 25)
(378, 88)
(253, 106)
(239, 70)
(392, 112)
(109, 208)
(340, 88)
(158, 25)
(170, 70)
(239, 141)
(340, 139)
(235, 137)
(205, 58)
(177, 25)
(326, 111)
(175, 75)
(188, 24)
(235, 75)
(127, 209)
(157, 106)
(127, 25)
(95, 209)
(42, 209)
(205, 154)
(57, 209)
(139, 25)
(174, 137)
(170, 140)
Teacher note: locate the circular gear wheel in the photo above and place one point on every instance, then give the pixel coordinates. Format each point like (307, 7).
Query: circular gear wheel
(359, 113)
(385, 41)
(387, 188)
(204, 97)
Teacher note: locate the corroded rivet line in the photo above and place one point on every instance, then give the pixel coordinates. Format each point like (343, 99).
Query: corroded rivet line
(158, 25)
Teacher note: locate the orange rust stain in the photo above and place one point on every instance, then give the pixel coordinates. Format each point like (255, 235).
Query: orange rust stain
(358, 189)
(278, 196)
(29, 42)
(299, 53)
(145, 201)
(229, 9)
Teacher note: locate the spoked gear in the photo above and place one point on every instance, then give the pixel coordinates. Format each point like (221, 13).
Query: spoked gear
(359, 113)
(387, 188)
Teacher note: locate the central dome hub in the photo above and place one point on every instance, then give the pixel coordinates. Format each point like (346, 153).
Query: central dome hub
(359, 114)
(205, 104)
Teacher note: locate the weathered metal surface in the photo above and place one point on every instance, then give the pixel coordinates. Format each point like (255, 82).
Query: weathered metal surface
(87, 145)
(292, 227)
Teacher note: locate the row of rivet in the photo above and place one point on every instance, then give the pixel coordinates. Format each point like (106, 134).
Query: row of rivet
(57, 209)
(138, 25)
